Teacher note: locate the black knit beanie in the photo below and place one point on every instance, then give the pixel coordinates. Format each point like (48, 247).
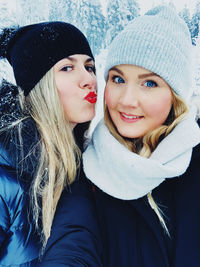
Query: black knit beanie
(33, 50)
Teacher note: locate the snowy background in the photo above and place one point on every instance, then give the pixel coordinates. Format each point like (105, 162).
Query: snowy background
(100, 21)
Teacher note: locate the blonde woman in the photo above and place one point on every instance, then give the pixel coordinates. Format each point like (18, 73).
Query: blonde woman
(144, 156)
(43, 120)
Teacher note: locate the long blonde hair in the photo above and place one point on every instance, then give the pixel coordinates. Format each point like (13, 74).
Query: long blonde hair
(146, 145)
(59, 157)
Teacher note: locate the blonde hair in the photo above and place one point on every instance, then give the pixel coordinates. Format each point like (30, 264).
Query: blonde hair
(146, 145)
(59, 157)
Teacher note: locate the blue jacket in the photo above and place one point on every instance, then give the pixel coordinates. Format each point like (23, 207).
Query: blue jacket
(19, 245)
(75, 237)
(129, 233)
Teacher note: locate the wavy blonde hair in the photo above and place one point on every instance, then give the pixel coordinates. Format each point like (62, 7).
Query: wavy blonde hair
(146, 145)
(59, 157)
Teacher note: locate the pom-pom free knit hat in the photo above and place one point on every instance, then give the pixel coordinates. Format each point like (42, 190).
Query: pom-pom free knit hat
(158, 41)
(32, 50)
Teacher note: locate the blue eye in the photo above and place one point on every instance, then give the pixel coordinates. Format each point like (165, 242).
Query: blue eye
(67, 68)
(150, 83)
(117, 79)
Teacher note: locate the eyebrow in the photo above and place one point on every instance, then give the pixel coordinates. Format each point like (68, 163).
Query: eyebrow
(141, 76)
(117, 70)
(75, 60)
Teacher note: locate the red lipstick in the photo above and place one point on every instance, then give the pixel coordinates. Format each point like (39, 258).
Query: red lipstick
(91, 97)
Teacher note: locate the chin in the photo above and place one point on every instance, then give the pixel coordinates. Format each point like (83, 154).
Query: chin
(89, 117)
(128, 134)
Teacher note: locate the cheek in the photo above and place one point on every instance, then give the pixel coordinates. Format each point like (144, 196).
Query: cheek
(95, 82)
(68, 98)
(110, 98)
(64, 102)
(65, 88)
(160, 106)
(64, 96)
(63, 83)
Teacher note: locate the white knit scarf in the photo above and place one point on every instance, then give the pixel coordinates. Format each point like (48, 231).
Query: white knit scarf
(126, 175)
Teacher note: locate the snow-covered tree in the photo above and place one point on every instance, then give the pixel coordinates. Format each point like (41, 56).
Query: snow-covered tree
(57, 10)
(113, 20)
(194, 27)
(119, 13)
(132, 10)
(91, 21)
(193, 23)
(8, 14)
(71, 11)
(97, 30)
(185, 15)
(29, 11)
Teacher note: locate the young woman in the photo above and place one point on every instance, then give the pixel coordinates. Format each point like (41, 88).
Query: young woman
(144, 156)
(43, 120)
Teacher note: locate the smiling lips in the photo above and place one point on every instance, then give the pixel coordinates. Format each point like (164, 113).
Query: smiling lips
(91, 97)
(130, 118)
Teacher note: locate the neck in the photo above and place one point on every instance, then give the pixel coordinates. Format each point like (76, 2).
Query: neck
(72, 125)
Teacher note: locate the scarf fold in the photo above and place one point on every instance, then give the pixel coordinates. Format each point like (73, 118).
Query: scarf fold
(127, 175)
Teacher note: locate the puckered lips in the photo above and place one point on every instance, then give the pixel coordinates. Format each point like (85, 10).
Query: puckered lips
(130, 118)
(91, 97)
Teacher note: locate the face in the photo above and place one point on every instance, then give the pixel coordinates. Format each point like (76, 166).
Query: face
(76, 84)
(138, 100)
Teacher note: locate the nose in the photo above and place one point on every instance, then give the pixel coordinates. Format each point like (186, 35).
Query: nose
(87, 80)
(129, 96)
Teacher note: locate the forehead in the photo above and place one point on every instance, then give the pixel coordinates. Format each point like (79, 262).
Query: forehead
(75, 59)
(130, 67)
(78, 57)
(132, 71)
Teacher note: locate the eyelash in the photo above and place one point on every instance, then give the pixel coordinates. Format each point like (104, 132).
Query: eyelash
(91, 69)
(65, 68)
(88, 68)
(114, 77)
(150, 81)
